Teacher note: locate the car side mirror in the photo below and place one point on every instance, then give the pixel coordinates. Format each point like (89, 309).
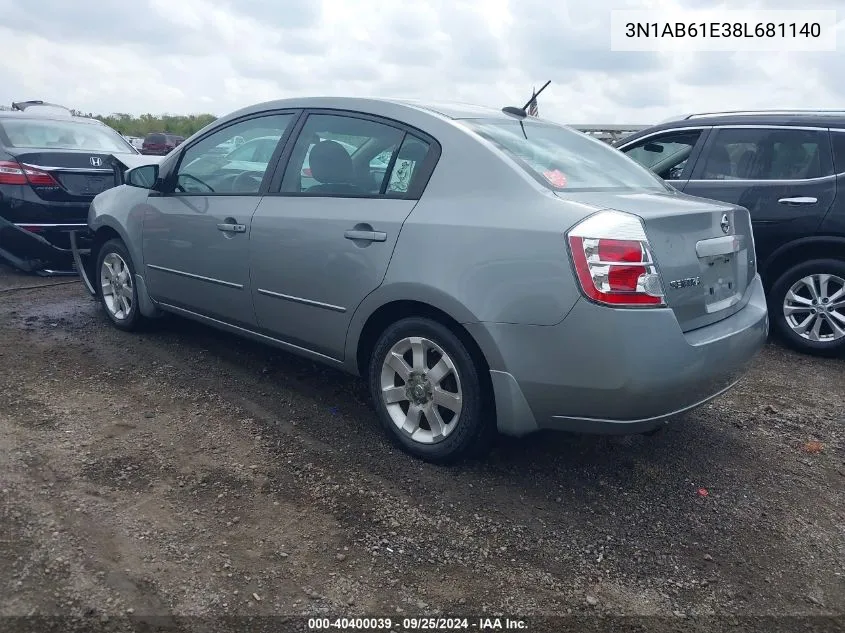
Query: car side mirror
(653, 147)
(144, 177)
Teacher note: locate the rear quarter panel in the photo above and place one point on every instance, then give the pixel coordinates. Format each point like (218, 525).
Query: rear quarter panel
(485, 243)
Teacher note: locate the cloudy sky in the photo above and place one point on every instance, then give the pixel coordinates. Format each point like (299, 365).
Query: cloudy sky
(186, 56)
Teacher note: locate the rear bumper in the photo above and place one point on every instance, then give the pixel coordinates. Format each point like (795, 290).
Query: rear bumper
(36, 246)
(613, 371)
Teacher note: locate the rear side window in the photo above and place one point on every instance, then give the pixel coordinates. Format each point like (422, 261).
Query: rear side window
(563, 159)
(838, 140)
(766, 154)
(408, 165)
(338, 155)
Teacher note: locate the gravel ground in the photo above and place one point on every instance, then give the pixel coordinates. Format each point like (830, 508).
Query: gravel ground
(188, 472)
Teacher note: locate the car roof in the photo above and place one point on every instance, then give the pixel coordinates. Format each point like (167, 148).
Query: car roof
(789, 118)
(454, 109)
(443, 109)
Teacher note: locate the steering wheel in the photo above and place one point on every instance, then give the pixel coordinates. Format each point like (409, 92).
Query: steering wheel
(247, 181)
(195, 179)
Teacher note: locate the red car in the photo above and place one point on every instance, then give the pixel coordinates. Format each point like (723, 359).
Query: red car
(160, 143)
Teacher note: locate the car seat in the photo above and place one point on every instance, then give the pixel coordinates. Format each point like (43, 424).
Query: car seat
(719, 165)
(331, 166)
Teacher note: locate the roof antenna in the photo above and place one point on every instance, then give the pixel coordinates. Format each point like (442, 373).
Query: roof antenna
(522, 113)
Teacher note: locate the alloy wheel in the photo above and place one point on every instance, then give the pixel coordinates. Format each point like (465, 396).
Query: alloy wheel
(814, 308)
(116, 284)
(421, 389)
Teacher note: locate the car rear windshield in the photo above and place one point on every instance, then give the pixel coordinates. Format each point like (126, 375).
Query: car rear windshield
(159, 139)
(562, 159)
(50, 134)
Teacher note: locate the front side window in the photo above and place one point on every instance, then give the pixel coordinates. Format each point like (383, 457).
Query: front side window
(50, 134)
(563, 159)
(341, 155)
(666, 154)
(204, 168)
(766, 154)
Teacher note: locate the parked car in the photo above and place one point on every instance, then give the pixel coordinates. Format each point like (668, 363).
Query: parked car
(135, 141)
(788, 169)
(52, 164)
(508, 273)
(160, 143)
(229, 145)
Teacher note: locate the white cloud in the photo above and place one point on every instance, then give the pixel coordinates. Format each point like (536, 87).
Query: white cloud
(187, 56)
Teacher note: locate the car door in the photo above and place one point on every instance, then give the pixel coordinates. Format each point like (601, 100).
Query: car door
(322, 241)
(196, 230)
(783, 175)
(670, 154)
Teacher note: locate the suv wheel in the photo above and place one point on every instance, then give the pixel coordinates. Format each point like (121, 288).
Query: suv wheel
(807, 306)
(115, 285)
(428, 392)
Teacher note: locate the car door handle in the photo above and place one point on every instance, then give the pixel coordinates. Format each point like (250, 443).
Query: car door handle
(369, 236)
(799, 200)
(231, 228)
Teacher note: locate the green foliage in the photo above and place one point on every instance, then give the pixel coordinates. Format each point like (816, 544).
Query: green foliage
(181, 125)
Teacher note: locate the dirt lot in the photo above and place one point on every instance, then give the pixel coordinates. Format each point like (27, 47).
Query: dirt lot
(188, 472)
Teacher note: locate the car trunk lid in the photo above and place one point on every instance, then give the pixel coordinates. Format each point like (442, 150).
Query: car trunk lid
(704, 250)
(76, 176)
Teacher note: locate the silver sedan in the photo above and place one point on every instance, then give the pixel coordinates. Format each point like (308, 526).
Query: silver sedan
(488, 272)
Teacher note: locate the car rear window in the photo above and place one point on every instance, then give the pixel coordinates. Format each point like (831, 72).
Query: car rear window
(51, 134)
(158, 139)
(563, 159)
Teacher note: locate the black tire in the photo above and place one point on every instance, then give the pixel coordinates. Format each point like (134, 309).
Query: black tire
(134, 320)
(777, 296)
(474, 428)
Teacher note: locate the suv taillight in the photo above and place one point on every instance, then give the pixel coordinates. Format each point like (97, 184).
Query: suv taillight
(12, 173)
(613, 261)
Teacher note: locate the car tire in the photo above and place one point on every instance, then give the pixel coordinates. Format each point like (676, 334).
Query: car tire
(114, 282)
(793, 290)
(450, 376)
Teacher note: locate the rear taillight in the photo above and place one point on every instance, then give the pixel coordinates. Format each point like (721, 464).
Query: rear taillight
(12, 173)
(613, 260)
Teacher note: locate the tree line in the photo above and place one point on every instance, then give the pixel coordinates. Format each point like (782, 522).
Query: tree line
(129, 125)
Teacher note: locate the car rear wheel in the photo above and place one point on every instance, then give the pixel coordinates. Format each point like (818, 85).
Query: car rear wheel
(428, 391)
(807, 307)
(115, 286)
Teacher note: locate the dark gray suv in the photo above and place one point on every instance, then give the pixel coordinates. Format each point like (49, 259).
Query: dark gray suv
(788, 169)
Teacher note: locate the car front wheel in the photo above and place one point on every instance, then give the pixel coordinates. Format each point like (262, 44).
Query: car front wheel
(428, 391)
(115, 286)
(807, 307)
